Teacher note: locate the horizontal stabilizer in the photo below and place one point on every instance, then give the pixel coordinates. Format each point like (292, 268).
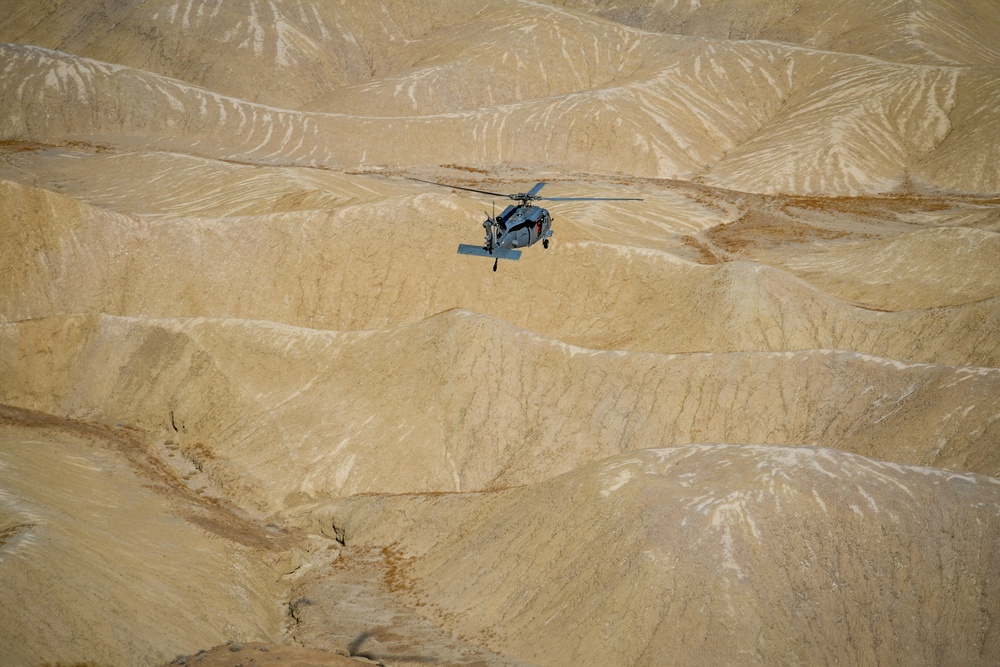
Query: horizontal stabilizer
(478, 251)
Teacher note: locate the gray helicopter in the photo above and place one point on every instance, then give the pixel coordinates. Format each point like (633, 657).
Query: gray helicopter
(519, 225)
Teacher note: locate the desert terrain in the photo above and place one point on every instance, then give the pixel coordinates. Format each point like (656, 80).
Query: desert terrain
(255, 409)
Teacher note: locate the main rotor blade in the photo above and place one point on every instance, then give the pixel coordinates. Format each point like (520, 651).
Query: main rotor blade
(531, 194)
(590, 198)
(459, 187)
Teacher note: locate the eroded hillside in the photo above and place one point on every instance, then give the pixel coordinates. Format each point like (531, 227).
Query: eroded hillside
(763, 402)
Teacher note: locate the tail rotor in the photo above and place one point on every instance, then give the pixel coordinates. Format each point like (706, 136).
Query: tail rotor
(490, 224)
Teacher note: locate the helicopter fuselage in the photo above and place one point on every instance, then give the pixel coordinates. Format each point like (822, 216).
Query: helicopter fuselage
(520, 226)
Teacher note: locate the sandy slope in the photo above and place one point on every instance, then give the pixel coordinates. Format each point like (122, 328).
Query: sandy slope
(82, 259)
(178, 185)
(277, 53)
(724, 112)
(730, 554)
(103, 563)
(473, 403)
(208, 238)
(900, 273)
(923, 31)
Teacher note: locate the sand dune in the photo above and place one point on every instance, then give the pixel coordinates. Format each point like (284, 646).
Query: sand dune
(220, 290)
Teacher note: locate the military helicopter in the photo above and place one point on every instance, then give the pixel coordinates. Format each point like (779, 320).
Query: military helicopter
(518, 226)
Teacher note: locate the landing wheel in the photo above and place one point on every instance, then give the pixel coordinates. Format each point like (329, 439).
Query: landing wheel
(495, 265)
(545, 243)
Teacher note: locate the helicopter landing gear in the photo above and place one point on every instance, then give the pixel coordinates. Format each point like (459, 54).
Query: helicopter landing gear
(495, 265)
(545, 243)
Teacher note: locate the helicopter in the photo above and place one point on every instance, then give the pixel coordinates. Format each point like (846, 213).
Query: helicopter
(519, 225)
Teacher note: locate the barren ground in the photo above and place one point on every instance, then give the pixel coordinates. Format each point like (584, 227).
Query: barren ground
(254, 409)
